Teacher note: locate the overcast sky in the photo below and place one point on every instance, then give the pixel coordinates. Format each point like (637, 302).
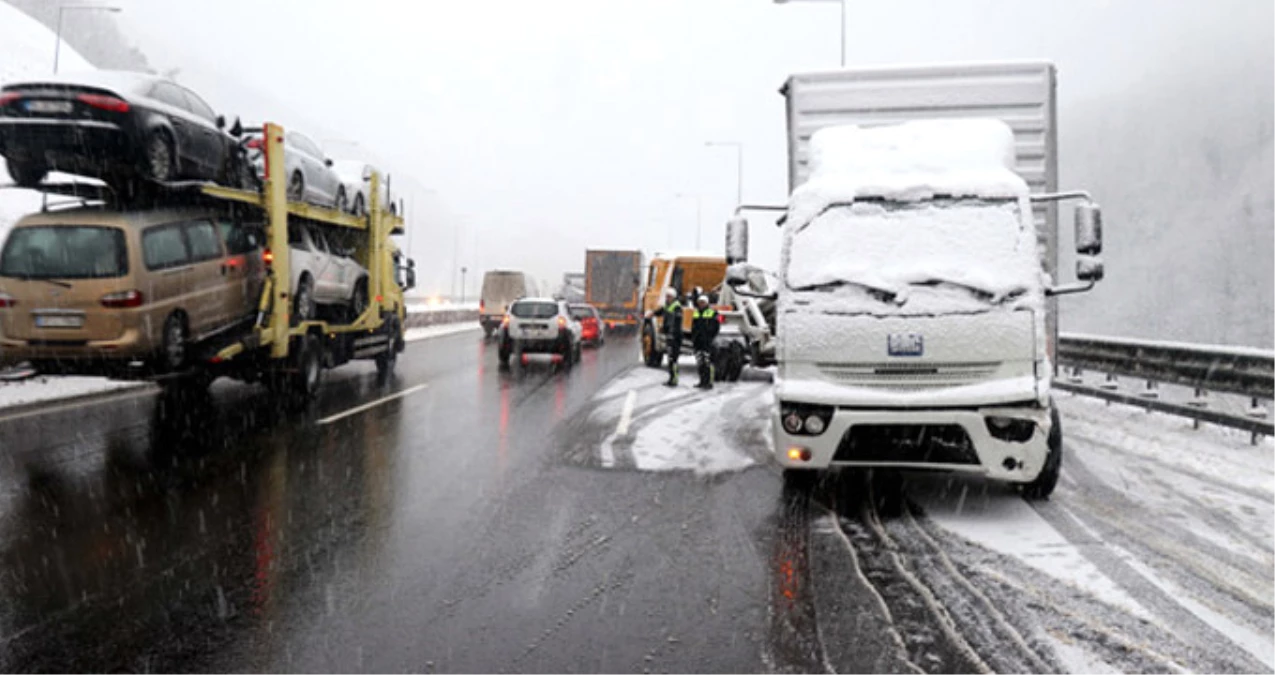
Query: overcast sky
(546, 127)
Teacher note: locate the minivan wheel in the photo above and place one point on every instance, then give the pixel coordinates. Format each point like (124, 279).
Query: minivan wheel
(359, 209)
(174, 343)
(342, 202)
(159, 158)
(303, 307)
(27, 174)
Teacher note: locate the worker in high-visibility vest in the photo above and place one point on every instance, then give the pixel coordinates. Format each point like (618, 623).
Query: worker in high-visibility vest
(704, 328)
(672, 328)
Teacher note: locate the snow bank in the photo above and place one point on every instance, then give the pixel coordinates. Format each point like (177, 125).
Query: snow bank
(26, 51)
(44, 389)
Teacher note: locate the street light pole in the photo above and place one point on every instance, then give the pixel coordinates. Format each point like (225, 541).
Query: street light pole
(739, 165)
(843, 25)
(463, 270)
(57, 44)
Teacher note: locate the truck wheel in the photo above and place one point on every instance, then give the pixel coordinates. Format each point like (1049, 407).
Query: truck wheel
(799, 481)
(387, 359)
(736, 362)
(308, 376)
(27, 174)
(1044, 484)
(650, 355)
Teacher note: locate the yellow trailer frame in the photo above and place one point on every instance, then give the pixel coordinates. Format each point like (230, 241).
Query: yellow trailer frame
(274, 329)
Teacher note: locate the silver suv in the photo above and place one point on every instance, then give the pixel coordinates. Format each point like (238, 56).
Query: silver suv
(540, 326)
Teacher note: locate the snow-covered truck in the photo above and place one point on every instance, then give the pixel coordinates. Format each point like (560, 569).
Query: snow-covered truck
(916, 318)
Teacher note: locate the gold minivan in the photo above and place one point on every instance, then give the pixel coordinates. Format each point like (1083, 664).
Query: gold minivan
(92, 289)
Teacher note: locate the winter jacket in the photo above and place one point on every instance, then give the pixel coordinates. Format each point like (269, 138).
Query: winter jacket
(704, 328)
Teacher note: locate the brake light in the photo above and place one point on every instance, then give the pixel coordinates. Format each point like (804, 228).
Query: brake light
(253, 144)
(267, 256)
(9, 97)
(482, 304)
(562, 322)
(110, 103)
(7, 300)
(122, 299)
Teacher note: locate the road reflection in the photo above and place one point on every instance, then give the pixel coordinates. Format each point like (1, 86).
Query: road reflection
(160, 542)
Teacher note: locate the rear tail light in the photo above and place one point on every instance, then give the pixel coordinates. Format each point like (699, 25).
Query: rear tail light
(110, 103)
(253, 144)
(7, 300)
(122, 299)
(267, 256)
(9, 97)
(562, 322)
(482, 304)
(505, 321)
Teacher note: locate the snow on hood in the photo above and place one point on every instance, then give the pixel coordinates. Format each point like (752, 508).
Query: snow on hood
(907, 162)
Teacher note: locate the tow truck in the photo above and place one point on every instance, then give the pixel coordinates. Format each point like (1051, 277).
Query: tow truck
(289, 356)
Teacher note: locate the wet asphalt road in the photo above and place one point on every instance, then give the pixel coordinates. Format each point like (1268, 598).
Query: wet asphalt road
(440, 531)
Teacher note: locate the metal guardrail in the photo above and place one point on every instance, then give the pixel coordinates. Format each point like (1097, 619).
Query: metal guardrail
(1216, 369)
(438, 317)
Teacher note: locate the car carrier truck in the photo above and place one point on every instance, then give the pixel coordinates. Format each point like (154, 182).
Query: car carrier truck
(916, 316)
(276, 345)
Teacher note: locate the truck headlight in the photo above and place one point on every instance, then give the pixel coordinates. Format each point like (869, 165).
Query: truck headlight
(805, 419)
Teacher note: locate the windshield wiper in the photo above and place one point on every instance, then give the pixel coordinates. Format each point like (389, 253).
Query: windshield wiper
(879, 292)
(978, 291)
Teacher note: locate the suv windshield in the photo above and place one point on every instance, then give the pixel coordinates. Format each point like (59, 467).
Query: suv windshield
(62, 252)
(974, 247)
(534, 310)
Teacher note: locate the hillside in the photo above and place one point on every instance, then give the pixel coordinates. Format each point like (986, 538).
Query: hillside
(26, 50)
(1182, 163)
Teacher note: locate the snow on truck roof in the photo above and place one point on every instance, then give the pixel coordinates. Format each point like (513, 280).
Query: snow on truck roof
(911, 161)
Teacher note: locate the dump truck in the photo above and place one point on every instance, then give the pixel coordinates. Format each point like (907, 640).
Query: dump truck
(916, 309)
(613, 285)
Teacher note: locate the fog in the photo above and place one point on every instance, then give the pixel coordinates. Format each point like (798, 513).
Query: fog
(525, 132)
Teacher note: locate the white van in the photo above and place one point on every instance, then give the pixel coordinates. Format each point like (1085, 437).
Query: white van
(500, 289)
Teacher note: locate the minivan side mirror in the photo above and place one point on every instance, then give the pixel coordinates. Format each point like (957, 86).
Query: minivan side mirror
(1088, 229)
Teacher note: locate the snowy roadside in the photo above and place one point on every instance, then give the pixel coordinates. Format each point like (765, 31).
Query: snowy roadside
(48, 389)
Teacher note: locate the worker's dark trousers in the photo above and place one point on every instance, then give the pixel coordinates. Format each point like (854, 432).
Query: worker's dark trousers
(674, 350)
(704, 361)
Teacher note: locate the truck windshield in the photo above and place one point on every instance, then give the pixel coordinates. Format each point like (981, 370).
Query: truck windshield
(64, 252)
(887, 250)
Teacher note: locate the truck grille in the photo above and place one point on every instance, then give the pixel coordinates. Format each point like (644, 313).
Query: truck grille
(908, 376)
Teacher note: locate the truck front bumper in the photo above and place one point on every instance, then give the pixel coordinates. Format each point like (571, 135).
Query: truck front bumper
(955, 440)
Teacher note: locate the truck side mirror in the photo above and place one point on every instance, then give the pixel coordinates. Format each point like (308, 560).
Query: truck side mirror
(1089, 230)
(736, 240)
(736, 275)
(411, 274)
(1089, 268)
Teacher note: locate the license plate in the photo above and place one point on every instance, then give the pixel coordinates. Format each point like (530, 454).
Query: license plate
(49, 106)
(535, 326)
(906, 344)
(59, 321)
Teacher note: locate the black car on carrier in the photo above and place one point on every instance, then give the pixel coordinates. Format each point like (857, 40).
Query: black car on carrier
(116, 126)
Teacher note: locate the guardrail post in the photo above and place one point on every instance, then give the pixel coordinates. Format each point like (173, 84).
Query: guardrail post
(1110, 384)
(1258, 411)
(1151, 392)
(1076, 373)
(1198, 402)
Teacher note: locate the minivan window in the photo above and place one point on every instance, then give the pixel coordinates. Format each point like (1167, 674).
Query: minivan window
(581, 312)
(534, 310)
(163, 247)
(203, 241)
(65, 252)
(296, 239)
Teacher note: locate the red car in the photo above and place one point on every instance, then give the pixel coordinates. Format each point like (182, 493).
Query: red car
(592, 329)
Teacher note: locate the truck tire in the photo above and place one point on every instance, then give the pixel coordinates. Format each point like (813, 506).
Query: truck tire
(1047, 480)
(387, 359)
(307, 375)
(650, 354)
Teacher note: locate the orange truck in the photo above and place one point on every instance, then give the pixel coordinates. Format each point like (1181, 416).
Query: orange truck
(613, 285)
(683, 273)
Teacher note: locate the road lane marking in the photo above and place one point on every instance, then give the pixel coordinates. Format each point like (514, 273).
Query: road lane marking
(358, 409)
(626, 416)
